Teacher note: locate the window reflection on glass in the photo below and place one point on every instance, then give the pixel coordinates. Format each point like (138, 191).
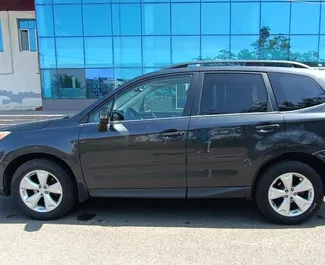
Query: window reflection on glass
(155, 19)
(127, 52)
(126, 19)
(96, 1)
(304, 48)
(150, 70)
(49, 84)
(44, 17)
(43, 2)
(215, 47)
(185, 48)
(300, 11)
(278, 24)
(97, 20)
(98, 52)
(71, 83)
(322, 49)
(156, 1)
(70, 52)
(244, 47)
(215, 18)
(275, 47)
(156, 51)
(162, 97)
(68, 21)
(47, 57)
(245, 18)
(125, 1)
(121, 76)
(184, 19)
(322, 26)
(66, 1)
(99, 82)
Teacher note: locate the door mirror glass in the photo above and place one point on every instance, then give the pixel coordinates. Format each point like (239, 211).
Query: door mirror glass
(103, 120)
(104, 116)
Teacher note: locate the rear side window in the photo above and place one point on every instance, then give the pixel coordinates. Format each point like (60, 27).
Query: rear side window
(233, 93)
(295, 92)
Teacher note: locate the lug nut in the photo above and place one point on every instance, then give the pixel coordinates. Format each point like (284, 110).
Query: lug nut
(295, 194)
(46, 192)
(45, 187)
(292, 189)
(286, 191)
(286, 196)
(40, 186)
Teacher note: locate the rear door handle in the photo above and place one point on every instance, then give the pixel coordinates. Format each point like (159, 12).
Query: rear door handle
(265, 128)
(171, 134)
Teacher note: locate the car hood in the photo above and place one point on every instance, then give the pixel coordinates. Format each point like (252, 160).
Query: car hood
(27, 126)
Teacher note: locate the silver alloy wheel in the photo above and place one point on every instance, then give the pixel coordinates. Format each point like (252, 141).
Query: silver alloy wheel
(41, 191)
(291, 194)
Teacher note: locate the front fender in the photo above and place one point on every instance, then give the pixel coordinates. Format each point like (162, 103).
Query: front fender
(61, 143)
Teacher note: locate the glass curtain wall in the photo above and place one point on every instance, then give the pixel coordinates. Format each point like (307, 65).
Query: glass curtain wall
(89, 47)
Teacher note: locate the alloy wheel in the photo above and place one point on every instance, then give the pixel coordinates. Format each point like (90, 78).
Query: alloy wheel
(291, 194)
(41, 191)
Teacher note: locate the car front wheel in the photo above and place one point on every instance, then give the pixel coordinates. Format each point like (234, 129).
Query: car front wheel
(289, 192)
(43, 189)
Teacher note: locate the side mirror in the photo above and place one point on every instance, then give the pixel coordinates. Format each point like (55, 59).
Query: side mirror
(104, 116)
(103, 120)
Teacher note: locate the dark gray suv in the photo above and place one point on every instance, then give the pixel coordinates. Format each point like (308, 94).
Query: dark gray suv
(249, 129)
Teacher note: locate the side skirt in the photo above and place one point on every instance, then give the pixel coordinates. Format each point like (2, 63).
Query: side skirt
(192, 193)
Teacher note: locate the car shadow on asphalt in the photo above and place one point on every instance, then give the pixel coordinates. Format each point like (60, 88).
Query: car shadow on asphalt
(206, 213)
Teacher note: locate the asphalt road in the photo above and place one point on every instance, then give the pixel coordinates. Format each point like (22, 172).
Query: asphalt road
(159, 232)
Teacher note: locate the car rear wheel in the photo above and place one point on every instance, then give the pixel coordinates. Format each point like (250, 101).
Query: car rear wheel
(43, 189)
(289, 192)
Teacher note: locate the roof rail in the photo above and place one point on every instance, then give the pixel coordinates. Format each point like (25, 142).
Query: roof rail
(272, 63)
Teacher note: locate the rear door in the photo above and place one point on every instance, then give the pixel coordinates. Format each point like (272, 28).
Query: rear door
(301, 99)
(233, 131)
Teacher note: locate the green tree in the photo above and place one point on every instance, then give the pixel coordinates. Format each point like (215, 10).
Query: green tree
(268, 47)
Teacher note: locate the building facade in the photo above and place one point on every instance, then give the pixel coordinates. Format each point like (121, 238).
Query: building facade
(89, 47)
(19, 70)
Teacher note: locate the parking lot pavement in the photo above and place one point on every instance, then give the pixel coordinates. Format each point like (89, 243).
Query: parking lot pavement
(104, 231)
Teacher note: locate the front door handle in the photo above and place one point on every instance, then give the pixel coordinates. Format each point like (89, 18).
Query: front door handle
(265, 128)
(171, 134)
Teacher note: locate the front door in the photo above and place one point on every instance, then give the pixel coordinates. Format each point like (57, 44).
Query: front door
(233, 133)
(143, 152)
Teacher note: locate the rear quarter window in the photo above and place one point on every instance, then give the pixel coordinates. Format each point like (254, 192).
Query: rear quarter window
(293, 92)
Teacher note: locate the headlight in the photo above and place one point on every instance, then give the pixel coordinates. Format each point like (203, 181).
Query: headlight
(4, 134)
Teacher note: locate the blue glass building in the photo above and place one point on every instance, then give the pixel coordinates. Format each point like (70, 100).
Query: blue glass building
(88, 47)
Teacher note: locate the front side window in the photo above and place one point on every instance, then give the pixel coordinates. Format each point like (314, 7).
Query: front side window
(27, 34)
(233, 93)
(293, 92)
(163, 97)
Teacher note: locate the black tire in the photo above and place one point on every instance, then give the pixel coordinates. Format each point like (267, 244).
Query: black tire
(69, 195)
(267, 178)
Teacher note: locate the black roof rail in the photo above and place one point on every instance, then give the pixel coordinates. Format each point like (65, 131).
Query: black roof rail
(272, 63)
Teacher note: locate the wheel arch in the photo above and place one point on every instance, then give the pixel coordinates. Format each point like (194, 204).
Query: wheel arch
(18, 161)
(315, 162)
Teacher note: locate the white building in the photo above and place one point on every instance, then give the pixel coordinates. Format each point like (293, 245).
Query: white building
(19, 70)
